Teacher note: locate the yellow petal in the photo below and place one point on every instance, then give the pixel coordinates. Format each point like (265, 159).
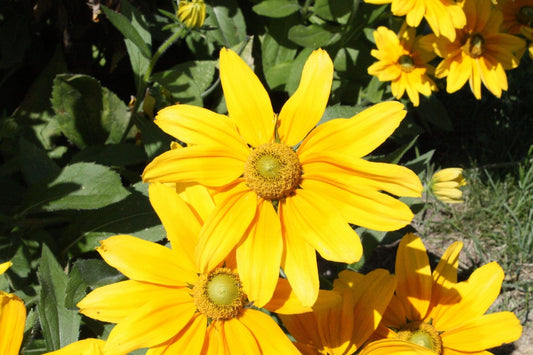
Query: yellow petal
(195, 125)
(485, 332)
(446, 271)
(239, 338)
(83, 347)
(189, 340)
(414, 276)
(304, 328)
(459, 72)
(12, 319)
(259, 255)
(269, 336)
(152, 324)
(396, 347)
(315, 220)
(198, 197)
(207, 165)
(306, 106)
(247, 100)
(115, 302)
(141, 260)
(336, 324)
(5, 266)
(356, 136)
(225, 228)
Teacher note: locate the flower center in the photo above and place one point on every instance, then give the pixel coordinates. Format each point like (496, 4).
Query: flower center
(525, 16)
(475, 45)
(273, 171)
(219, 295)
(407, 64)
(423, 334)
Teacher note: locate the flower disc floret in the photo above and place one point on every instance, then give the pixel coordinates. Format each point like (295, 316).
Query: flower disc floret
(423, 334)
(219, 294)
(525, 15)
(407, 64)
(273, 171)
(475, 45)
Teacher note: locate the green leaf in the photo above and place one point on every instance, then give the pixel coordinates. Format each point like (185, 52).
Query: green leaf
(112, 155)
(228, 21)
(339, 111)
(433, 111)
(187, 81)
(59, 325)
(333, 10)
(313, 36)
(154, 140)
(35, 163)
(276, 8)
(296, 70)
(88, 113)
(375, 90)
(128, 30)
(78, 186)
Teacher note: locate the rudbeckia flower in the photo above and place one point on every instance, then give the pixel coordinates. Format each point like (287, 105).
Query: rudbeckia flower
(172, 307)
(12, 319)
(443, 16)
(433, 310)
(403, 62)
(480, 53)
(83, 347)
(191, 13)
(285, 188)
(345, 326)
(445, 185)
(516, 15)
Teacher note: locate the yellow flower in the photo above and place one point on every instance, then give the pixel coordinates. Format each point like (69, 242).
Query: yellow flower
(445, 185)
(172, 307)
(516, 15)
(403, 62)
(480, 52)
(192, 13)
(436, 311)
(83, 347)
(344, 327)
(528, 33)
(443, 16)
(280, 200)
(12, 319)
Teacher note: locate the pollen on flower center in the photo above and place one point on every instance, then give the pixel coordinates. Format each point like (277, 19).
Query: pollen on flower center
(423, 334)
(407, 64)
(475, 45)
(525, 16)
(273, 171)
(219, 294)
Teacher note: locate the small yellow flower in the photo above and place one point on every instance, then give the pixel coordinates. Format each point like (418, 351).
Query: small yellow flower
(435, 311)
(403, 62)
(445, 185)
(191, 13)
(12, 319)
(83, 347)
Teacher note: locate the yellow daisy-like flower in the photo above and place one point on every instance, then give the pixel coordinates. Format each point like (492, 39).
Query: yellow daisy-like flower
(528, 33)
(191, 13)
(403, 62)
(443, 16)
(344, 327)
(480, 53)
(83, 347)
(12, 319)
(435, 311)
(170, 306)
(286, 189)
(445, 185)
(516, 14)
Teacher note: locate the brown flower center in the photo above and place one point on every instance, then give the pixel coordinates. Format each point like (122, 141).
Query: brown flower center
(219, 294)
(423, 334)
(475, 45)
(407, 64)
(273, 171)
(525, 16)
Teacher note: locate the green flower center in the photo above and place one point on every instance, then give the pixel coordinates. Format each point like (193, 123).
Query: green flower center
(525, 16)
(219, 295)
(475, 45)
(423, 334)
(273, 171)
(407, 64)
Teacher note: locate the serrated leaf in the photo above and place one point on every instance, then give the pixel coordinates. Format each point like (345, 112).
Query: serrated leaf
(276, 8)
(226, 17)
(59, 325)
(187, 81)
(88, 113)
(277, 53)
(78, 186)
(123, 24)
(313, 36)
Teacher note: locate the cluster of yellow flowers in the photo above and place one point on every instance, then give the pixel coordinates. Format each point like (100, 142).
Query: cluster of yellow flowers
(477, 41)
(254, 192)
